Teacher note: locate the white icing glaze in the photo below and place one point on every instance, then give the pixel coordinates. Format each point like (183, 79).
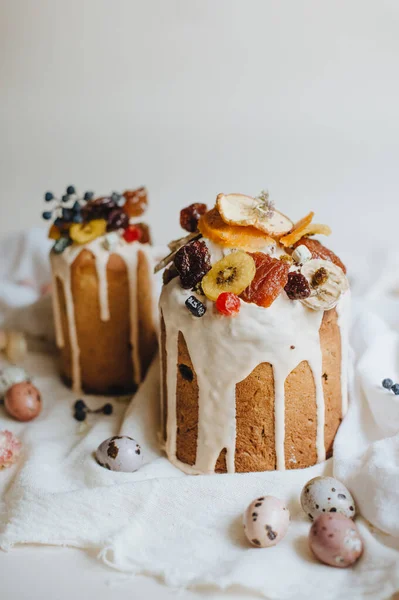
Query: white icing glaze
(255, 335)
(61, 269)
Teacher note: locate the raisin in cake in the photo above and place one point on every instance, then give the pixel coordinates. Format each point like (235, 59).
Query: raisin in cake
(254, 340)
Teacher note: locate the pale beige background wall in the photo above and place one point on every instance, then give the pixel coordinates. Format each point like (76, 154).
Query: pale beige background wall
(194, 97)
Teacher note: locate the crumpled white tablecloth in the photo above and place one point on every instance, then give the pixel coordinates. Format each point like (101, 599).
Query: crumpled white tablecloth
(185, 529)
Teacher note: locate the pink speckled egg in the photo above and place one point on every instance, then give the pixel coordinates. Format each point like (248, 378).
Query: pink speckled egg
(266, 521)
(335, 540)
(22, 401)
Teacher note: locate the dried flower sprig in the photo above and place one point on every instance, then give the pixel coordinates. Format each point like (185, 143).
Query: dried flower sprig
(266, 206)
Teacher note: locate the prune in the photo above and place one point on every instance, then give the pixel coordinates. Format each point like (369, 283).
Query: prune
(117, 219)
(192, 262)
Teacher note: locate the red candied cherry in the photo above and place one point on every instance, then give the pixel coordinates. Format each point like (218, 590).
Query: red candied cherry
(228, 304)
(132, 234)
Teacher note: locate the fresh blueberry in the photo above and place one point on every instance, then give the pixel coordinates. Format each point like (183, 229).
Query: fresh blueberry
(387, 383)
(88, 195)
(70, 190)
(395, 389)
(80, 405)
(80, 415)
(76, 207)
(108, 409)
(47, 215)
(48, 196)
(67, 214)
(115, 196)
(59, 222)
(77, 218)
(65, 198)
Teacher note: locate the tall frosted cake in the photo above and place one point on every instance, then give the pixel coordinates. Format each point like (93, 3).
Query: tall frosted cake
(102, 296)
(254, 340)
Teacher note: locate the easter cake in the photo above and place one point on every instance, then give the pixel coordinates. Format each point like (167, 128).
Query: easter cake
(102, 297)
(254, 340)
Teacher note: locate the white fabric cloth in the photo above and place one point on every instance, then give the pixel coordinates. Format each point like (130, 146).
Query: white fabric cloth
(188, 530)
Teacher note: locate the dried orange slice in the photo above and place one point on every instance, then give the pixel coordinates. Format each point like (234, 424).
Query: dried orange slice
(302, 228)
(271, 277)
(245, 211)
(319, 251)
(212, 226)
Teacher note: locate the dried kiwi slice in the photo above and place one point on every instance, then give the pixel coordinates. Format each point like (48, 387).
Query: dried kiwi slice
(233, 273)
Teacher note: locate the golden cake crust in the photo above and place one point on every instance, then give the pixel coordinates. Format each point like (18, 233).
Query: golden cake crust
(255, 395)
(105, 348)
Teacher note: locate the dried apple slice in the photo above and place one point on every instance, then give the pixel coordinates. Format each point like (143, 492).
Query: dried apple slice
(327, 281)
(244, 211)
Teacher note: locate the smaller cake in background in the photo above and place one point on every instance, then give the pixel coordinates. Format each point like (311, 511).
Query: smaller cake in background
(102, 289)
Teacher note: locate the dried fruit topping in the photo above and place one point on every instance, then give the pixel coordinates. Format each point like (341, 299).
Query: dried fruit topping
(212, 226)
(233, 273)
(174, 248)
(195, 307)
(327, 294)
(117, 219)
(169, 274)
(319, 251)
(301, 254)
(132, 234)
(98, 208)
(81, 233)
(228, 304)
(192, 262)
(54, 233)
(145, 233)
(270, 278)
(302, 228)
(190, 216)
(297, 287)
(319, 277)
(237, 209)
(136, 202)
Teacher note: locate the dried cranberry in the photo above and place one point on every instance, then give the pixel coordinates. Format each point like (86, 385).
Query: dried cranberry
(132, 234)
(228, 304)
(192, 262)
(190, 216)
(297, 287)
(117, 219)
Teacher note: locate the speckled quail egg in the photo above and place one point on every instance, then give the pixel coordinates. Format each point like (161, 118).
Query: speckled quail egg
(266, 521)
(335, 540)
(23, 401)
(9, 376)
(327, 495)
(120, 453)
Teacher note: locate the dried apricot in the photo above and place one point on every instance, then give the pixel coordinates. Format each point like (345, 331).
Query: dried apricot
(212, 226)
(319, 251)
(271, 277)
(302, 228)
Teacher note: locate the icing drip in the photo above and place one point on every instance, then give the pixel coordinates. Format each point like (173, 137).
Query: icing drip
(343, 311)
(61, 270)
(224, 351)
